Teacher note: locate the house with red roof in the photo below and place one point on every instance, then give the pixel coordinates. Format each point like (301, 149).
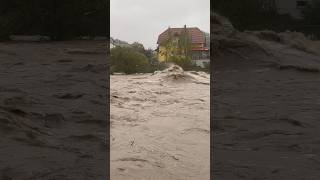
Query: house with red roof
(198, 41)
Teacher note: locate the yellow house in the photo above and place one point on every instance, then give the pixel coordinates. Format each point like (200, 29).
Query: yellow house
(199, 45)
(162, 53)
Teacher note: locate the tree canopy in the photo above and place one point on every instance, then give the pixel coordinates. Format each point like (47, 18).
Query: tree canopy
(128, 60)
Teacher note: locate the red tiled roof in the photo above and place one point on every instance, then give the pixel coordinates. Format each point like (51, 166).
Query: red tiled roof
(196, 35)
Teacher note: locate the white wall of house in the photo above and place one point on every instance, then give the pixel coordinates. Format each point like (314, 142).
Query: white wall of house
(292, 7)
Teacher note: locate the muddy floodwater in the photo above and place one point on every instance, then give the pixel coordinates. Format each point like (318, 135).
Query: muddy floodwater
(53, 110)
(265, 105)
(160, 126)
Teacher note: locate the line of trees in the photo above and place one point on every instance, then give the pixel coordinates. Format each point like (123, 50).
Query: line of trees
(57, 19)
(134, 59)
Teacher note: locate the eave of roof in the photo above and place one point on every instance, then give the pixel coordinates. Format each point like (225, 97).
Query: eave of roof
(197, 36)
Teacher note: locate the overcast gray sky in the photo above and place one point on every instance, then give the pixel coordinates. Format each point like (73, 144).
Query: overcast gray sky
(144, 20)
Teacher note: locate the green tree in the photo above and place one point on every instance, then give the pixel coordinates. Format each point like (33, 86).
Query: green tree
(169, 45)
(178, 45)
(138, 47)
(178, 48)
(127, 60)
(184, 43)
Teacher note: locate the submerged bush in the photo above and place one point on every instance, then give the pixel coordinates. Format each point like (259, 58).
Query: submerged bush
(187, 64)
(184, 62)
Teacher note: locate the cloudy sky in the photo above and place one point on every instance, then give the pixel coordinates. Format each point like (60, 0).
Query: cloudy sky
(144, 20)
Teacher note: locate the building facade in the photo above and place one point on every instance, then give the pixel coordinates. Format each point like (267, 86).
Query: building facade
(199, 41)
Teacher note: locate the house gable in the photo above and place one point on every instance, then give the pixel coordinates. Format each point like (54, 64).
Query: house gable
(195, 34)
